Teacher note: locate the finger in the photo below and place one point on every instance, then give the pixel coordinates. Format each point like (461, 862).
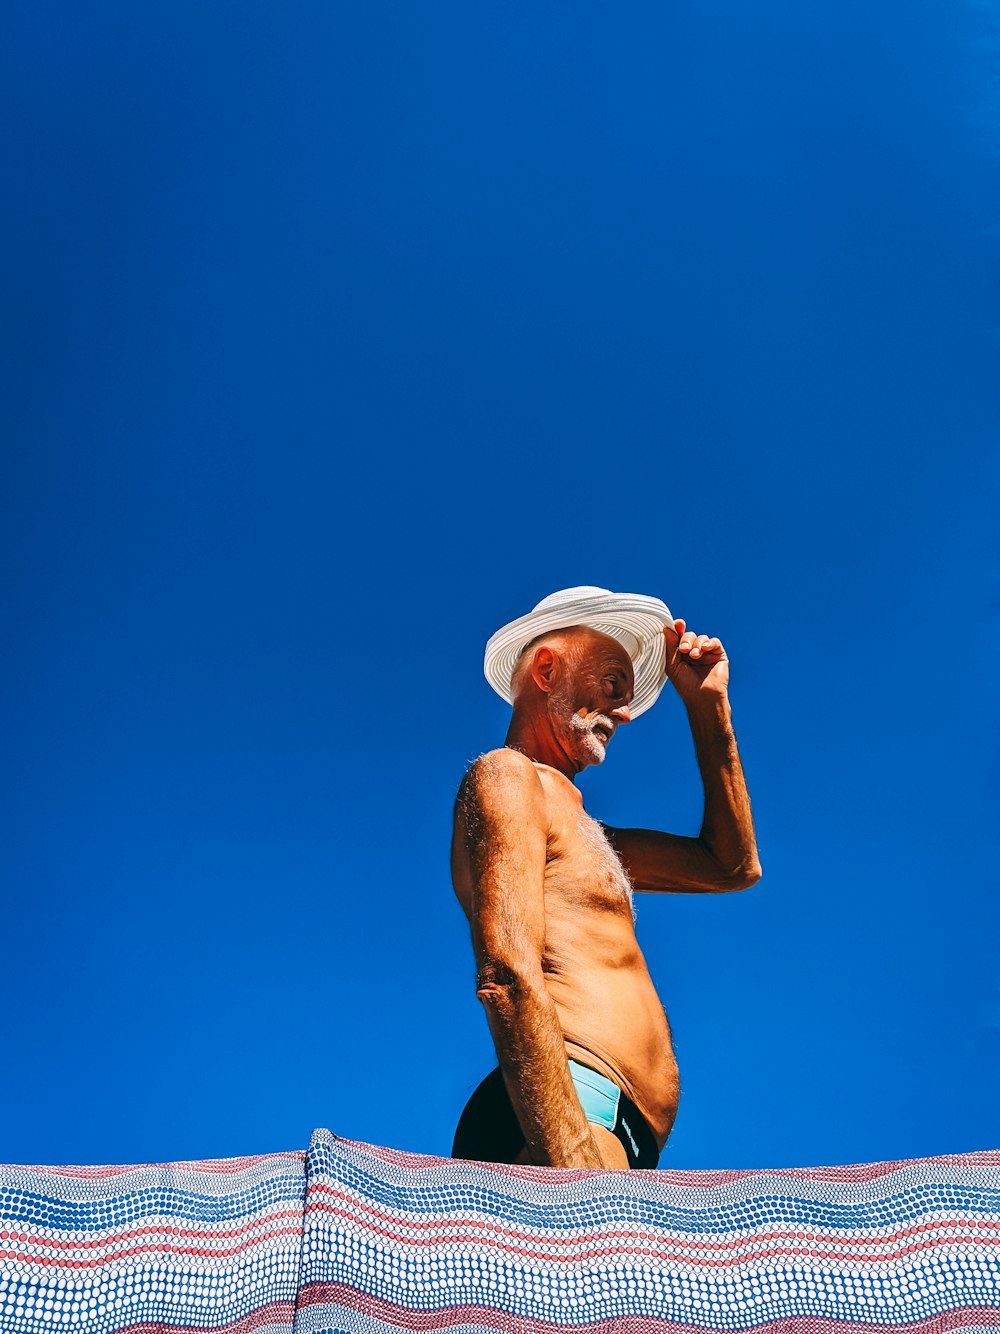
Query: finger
(697, 648)
(676, 629)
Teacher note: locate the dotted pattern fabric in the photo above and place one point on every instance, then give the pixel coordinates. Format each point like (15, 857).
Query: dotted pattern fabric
(353, 1238)
(164, 1246)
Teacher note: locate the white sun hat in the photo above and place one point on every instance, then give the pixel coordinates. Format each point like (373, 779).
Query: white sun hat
(635, 620)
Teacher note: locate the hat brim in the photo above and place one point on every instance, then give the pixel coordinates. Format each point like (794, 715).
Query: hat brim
(635, 620)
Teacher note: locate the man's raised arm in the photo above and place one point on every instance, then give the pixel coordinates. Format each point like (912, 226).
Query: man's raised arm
(501, 831)
(724, 855)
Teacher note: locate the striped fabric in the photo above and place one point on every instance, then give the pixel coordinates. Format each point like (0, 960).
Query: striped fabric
(365, 1240)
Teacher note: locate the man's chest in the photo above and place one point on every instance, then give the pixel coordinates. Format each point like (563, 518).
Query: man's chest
(582, 869)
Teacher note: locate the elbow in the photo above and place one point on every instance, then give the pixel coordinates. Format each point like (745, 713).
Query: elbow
(741, 878)
(500, 983)
(745, 876)
(739, 870)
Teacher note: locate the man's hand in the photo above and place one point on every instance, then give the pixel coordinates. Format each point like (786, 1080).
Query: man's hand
(697, 665)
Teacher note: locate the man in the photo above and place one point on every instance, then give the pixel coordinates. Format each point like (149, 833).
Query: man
(586, 1074)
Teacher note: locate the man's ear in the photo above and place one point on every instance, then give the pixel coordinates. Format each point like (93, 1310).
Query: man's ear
(544, 668)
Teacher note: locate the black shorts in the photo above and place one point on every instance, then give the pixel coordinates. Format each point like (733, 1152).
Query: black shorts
(488, 1130)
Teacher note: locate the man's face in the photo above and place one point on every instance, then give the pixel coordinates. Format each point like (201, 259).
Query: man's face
(590, 697)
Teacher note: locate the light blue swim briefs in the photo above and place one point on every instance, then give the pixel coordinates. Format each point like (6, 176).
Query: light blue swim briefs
(601, 1101)
(598, 1096)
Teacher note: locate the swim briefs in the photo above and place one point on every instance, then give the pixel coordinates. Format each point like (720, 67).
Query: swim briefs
(488, 1129)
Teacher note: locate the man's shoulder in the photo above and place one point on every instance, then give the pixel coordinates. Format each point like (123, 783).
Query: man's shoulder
(500, 765)
(499, 775)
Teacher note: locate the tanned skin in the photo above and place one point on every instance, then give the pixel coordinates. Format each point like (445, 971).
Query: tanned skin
(559, 969)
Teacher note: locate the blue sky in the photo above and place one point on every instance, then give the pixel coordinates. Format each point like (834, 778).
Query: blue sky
(337, 335)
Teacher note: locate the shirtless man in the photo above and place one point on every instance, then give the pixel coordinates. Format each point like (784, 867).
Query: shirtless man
(586, 1075)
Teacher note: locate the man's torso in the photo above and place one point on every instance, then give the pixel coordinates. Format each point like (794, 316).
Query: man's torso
(611, 1017)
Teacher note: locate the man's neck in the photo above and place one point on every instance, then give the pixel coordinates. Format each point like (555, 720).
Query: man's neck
(533, 737)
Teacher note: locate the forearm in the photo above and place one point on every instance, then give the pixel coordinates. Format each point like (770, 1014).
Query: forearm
(532, 1056)
(727, 827)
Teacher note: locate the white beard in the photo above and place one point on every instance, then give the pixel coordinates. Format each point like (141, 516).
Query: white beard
(585, 744)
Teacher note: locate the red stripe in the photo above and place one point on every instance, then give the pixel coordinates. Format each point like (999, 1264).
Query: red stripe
(364, 1208)
(339, 1294)
(670, 1257)
(851, 1172)
(163, 1249)
(207, 1166)
(747, 1247)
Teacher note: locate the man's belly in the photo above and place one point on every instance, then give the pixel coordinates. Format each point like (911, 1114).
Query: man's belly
(613, 1021)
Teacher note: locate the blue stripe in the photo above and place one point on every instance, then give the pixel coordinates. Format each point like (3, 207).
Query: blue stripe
(723, 1214)
(111, 1214)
